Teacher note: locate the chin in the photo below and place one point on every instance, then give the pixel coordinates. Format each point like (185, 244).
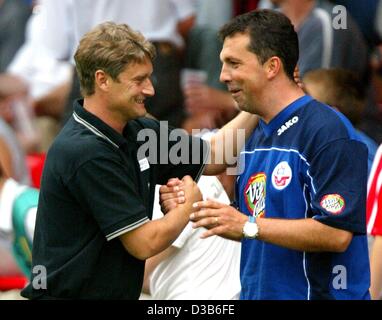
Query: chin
(246, 108)
(242, 106)
(141, 111)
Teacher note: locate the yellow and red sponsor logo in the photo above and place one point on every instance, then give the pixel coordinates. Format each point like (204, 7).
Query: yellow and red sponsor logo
(254, 194)
(333, 203)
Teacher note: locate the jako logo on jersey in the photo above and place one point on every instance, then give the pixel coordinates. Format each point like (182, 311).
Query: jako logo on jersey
(333, 203)
(254, 194)
(287, 125)
(282, 175)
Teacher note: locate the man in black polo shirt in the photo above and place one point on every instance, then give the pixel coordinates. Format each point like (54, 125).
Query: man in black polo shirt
(93, 228)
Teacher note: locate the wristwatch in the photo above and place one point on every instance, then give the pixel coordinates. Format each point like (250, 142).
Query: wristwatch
(250, 229)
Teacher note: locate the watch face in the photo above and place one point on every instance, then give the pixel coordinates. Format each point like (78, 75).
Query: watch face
(250, 230)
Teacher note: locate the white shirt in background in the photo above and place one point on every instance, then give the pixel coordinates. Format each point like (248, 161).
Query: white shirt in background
(202, 269)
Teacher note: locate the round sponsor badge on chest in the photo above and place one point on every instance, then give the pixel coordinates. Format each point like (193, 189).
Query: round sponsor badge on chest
(281, 176)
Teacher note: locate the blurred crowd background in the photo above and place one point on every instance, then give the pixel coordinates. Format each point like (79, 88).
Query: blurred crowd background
(340, 64)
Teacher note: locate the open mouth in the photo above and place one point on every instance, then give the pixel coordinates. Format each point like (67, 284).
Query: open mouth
(233, 89)
(140, 101)
(234, 92)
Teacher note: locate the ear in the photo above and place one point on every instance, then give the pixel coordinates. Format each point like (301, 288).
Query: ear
(273, 67)
(102, 80)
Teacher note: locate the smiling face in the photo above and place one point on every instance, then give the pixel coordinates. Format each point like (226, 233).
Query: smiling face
(244, 75)
(128, 92)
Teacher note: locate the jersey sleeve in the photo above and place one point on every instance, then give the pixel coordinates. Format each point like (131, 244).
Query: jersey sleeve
(106, 190)
(338, 185)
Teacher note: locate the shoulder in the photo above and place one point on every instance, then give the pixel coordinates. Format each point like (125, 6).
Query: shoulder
(144, 122)
(321, 127)
(140, 126)
(75, 146)
(314, 21)
(323, 120)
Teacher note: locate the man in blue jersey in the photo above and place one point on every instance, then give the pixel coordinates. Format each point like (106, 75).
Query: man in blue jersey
(301, 197)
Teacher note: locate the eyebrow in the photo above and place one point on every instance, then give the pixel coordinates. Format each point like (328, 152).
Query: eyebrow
(230, 59)
(142, 76)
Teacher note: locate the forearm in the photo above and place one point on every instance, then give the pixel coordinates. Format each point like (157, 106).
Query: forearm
(228, 141)
(295, 234)
(376, 269)
(184, 26)
(6, 163)
(157, 235)
(11, 85)
(303, 235)
(53, 103)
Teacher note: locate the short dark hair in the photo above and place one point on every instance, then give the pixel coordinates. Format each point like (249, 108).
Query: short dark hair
(271, 34)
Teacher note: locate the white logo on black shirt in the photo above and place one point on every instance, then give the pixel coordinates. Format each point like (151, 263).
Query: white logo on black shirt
(144, 164)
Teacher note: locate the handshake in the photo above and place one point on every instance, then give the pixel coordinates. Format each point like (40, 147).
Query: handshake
(218, 218)
(179, 192)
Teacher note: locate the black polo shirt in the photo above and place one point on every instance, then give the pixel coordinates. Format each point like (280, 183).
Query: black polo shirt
(93, 190)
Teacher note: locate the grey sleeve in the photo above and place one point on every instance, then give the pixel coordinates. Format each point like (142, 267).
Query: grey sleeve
(13, 22)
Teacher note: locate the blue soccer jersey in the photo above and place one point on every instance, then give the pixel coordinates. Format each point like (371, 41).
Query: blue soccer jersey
(305, 163)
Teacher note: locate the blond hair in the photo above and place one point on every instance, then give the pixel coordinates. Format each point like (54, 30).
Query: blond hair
(109, 47)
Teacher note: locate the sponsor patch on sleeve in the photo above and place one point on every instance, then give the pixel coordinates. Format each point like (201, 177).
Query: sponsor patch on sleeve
(333, 203)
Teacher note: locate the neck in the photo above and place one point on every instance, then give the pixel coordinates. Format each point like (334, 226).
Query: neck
(297, 10)
(279, 97)
(99, 107)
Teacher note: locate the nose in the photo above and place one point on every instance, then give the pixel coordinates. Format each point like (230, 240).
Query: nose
(225, 75)
(148, 89)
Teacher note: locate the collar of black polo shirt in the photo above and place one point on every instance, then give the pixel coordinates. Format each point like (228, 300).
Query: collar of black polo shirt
(96, 125)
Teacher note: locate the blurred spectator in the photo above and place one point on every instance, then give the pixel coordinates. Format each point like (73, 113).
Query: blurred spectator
(378, 20)
(11, 86)
(166, 23)
(374, 225)
(329, 42)
(321, 44)
(13, 18)
(54, 31)
(18, 207)
(342, 90)
(329, 47)
(38, 67)
(372, 119)
(365, 14)
(12, 156)
(243, 6)
(213, 13)
(34, 82)
(207, 102)
(195, 268)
